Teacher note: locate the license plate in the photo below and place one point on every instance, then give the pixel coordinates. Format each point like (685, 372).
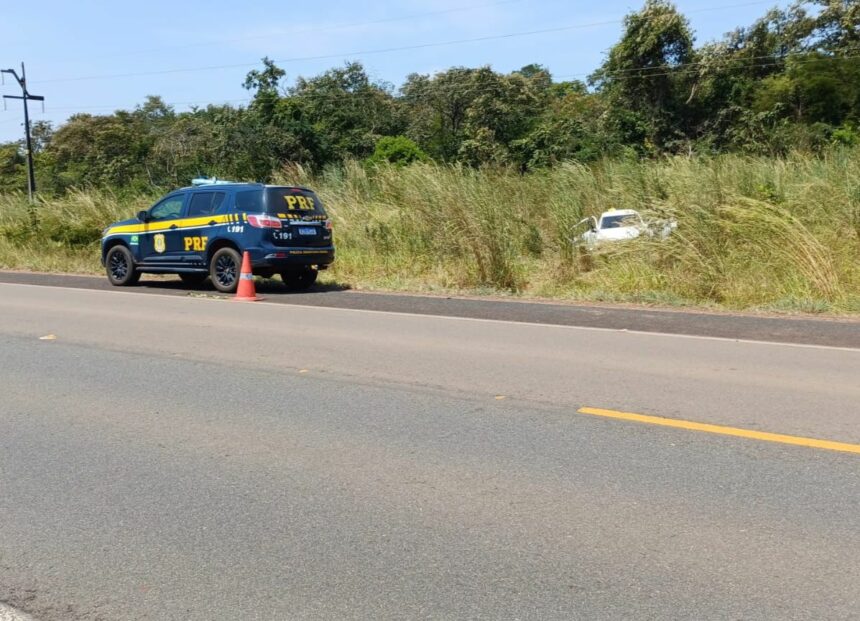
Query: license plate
(307, 230)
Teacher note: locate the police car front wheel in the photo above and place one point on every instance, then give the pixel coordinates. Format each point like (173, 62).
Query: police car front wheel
(224, 269)
(120, 267)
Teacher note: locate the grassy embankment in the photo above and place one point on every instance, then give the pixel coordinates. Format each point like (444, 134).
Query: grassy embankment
(754, 233)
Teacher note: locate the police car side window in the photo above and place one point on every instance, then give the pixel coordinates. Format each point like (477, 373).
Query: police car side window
(205, 203)
(250, 201)
(167, 209)
(222, 203)
(217, 201)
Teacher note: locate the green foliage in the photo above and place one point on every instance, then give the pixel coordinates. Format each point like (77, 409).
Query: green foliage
(569, 129)
(749, 142)
(753, 232)
(347, 111)
(475, 116)
(398, 150)
(13, 172)
(846, 136)
(788, 82)
(645, 74)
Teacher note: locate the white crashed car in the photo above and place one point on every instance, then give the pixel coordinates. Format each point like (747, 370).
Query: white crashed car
(618, 225)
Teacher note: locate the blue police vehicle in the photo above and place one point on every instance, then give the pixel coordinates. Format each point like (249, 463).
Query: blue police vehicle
(201, 231)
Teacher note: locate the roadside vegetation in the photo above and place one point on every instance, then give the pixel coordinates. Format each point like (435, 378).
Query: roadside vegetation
(754, 232)
(471, 180)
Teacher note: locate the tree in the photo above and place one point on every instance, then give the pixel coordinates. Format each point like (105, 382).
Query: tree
(569, 129)
(474, 115)
(646, 73)
(836, 27)
(274, 130)
(814, 89)
(347, 110)
(398, 150)
(13, 172)
(437, 110)
(41, 134)
(102, 151)
(187, 148)
(266, 86)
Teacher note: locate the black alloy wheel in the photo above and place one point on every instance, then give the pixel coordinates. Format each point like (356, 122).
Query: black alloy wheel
(119, 265)
(224, 269)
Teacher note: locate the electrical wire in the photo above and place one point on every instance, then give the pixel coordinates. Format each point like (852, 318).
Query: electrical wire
(665, 71)
(317, 29)
(556, 29)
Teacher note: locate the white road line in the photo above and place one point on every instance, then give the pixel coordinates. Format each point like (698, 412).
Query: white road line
(456, 318)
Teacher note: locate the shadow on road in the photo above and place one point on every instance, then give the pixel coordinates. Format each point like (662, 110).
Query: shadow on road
(270, 286)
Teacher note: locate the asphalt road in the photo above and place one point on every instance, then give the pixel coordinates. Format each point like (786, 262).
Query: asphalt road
(784, 329)
(166, 457)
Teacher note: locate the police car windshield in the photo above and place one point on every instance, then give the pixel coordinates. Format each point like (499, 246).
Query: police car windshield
(279, 200)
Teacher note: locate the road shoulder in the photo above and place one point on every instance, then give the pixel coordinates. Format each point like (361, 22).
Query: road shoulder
(829, 332)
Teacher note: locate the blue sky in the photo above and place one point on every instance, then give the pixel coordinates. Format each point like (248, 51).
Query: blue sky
(78, 53)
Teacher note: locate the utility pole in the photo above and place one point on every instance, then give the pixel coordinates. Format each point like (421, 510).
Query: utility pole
(25, 97)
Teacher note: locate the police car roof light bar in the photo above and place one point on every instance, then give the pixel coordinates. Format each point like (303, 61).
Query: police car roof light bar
(207, 181)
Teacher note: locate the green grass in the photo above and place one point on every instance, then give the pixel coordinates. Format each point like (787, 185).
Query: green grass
(754, 233)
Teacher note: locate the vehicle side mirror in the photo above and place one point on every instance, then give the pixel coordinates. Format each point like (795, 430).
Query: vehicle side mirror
(143, 216)
(590, 223)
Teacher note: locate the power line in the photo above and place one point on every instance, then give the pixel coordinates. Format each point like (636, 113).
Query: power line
(776, 60)
(167, 103)
(348, 26)
(325, 56)
(389, 50)
(646, 72)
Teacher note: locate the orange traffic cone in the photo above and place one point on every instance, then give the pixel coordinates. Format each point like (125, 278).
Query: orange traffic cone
(246, 292)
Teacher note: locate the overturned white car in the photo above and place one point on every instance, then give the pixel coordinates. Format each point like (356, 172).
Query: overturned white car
(618, 225)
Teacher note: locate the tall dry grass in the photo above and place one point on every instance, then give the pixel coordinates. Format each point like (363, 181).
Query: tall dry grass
(752, 232)
(60, 234)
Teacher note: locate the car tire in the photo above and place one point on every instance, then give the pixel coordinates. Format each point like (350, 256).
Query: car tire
(119, 265)
(301, 279)
(193, 279)
(224, 270)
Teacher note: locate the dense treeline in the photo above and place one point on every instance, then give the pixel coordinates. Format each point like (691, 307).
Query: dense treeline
(788, 82)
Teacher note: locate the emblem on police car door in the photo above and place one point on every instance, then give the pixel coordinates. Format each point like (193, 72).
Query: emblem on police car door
(159, 244)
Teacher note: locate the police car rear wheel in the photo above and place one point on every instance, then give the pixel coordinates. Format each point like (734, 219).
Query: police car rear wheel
(300, 279)
(224, 270)
(120, 267)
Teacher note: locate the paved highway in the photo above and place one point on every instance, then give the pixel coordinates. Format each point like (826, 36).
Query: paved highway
(800, 330)
(166, 457)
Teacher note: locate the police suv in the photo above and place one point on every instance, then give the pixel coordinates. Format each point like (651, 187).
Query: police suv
(201, 231)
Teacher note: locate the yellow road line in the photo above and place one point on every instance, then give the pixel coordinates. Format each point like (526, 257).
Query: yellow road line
(725, 431)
